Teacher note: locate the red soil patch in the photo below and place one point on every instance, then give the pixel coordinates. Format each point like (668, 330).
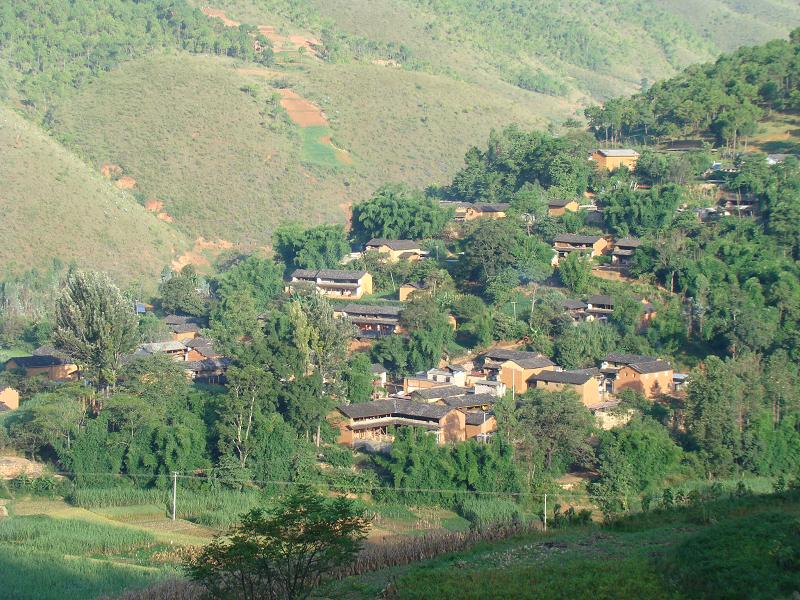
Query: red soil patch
(110, 171)
(126, 183)
(301, 111)
(166, 217)
(153, 205)
(289, 43)
(195, 257)
(219, 14)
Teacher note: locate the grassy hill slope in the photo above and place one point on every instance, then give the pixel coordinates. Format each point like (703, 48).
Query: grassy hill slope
(739, 548)
(54, 206)
(193, 132)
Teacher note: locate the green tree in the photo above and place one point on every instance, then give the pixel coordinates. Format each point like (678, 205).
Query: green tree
(320, 247)
(397, 212)
(358, 378)
(283, 553)
(261, 278)
(180, 293)
(575, 273)
(95, 325)
(585, 344)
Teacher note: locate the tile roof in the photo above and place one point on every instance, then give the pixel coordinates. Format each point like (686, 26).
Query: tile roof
(629, 242)
(394, 407)
(154, 347)
(527, 360)
(575, 304)
(497, 207)
(332, 274)
(203, 345)
(470, 400)
(378, 369)
(656, 366)
(560, 202)
(571, 238)
(182, 323)
(618, 152)
(600, 299)
(442, 391)
(208, 364)
(370, 310)
(577, 377)
(37, 362)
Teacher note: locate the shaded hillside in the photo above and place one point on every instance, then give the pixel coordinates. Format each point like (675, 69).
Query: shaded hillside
(54, 206)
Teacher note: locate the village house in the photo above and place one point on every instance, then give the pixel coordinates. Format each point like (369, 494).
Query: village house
(647, 375)
(560, 206)
(576, 309)
(612, 159)
(465, 211)
(175, 350)
(48, 366)
(514, 367)
(208, 370)
(201, 348)
(335, 283)
(599, 306)
(372, 321)
(372, 423)
(566, 243)
(487, 386)
(396, 250)
(183, 328)
(587, 383)
(380, 376)
(623, 251)
(438, 393)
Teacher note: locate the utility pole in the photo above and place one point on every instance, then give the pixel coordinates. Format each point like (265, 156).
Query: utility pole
(514, 306)
(174, 493)
(545, 512)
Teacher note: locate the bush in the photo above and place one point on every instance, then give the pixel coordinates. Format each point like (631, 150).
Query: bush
(485, 513)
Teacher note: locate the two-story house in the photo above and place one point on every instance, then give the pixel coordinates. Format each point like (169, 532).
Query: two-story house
(335, 283)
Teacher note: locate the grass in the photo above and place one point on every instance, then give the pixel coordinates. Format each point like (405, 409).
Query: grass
(43, 558)
(734, 548)
(54, 206)
(316, 152)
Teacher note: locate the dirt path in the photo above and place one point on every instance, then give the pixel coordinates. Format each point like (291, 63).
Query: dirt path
(301, 111)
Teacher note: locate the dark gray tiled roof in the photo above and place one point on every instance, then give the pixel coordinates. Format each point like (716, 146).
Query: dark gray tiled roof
(618, 152)
(37, 362)
(182, 323)
(656, 366)
(444, 391)
(208, 364)
(599, 299)
(577, 377)
(575, 304)
(394, 407)
(629, 242)
(527, 360)
(370, 310)
(560, 202)
(496, 207)
(470, 400)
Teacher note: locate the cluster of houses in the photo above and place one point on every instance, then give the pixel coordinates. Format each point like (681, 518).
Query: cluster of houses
(455, 403)
(197, 355)
(621, 250)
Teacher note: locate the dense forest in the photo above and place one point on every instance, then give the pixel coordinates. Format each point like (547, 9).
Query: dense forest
(723, 100)
(60, 45)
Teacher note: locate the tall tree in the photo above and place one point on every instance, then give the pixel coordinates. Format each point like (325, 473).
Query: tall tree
(95, 325)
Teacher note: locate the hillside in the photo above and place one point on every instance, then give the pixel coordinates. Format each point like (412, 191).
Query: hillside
(184, 129)
(396, 91)
(55, 207)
